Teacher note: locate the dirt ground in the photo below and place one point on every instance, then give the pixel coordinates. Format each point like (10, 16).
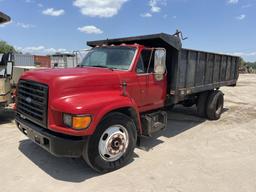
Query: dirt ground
(192, 155)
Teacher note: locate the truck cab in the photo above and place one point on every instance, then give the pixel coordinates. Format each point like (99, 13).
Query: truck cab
(136, 67)
(125, 79)
(117, 93)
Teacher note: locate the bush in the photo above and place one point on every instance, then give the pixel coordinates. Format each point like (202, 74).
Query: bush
(5, 47)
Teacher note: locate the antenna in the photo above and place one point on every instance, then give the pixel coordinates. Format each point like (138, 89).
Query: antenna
(179, 34)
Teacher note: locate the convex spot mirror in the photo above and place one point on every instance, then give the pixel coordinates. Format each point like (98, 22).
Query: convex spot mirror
(160, 64)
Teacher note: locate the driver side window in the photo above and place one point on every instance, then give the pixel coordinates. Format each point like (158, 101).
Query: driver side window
(146, 62)
(140, 66)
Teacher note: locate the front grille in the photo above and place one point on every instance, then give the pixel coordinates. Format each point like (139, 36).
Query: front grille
(32, 101)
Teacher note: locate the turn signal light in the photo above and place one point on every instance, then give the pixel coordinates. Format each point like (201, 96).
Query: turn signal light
(81, 122)
(77, 121)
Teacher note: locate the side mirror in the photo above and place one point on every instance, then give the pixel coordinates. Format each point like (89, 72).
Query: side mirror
(7, 64)
(9, 69)
(55, 65)
(160, 64)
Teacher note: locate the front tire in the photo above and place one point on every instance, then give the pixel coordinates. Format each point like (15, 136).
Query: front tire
(112, 144)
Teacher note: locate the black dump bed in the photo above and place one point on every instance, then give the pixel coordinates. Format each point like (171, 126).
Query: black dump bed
(4, 18)
(189, 71)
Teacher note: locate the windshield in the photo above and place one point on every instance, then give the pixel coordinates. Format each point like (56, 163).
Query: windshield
(109, 57)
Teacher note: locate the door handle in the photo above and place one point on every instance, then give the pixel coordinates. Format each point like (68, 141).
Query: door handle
(124, 86)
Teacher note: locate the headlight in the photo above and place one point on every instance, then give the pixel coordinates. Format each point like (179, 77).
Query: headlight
(77, 121)
(67, 120)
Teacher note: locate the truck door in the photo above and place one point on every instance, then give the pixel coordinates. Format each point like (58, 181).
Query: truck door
(152, 88)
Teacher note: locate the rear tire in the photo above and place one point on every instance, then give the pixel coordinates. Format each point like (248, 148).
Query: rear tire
(215, 105)
(202, 103)
(112, 144)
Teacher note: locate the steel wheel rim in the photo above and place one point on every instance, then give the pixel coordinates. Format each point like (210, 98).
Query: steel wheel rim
(113, 143)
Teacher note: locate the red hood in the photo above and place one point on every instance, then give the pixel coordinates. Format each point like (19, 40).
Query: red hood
(75, 80)
(45, 75)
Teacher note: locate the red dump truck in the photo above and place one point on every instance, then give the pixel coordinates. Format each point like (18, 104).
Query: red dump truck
(119, 92)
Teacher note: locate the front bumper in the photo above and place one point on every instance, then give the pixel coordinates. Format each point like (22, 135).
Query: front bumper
(55, 143)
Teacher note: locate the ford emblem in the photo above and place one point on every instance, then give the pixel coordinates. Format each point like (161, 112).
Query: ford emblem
(28, 100)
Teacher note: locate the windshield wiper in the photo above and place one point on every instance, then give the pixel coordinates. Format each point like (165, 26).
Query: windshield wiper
(101, 66)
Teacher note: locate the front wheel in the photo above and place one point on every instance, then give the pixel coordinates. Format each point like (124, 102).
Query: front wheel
(112, 145)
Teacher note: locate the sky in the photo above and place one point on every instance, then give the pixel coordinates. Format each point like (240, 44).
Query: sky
(47, 26)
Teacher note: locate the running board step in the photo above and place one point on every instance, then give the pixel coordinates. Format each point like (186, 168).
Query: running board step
(153, 122)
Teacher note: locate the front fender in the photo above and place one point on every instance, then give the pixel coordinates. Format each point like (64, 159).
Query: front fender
(97, 104)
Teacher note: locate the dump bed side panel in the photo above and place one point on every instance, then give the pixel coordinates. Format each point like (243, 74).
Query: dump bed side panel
(201, 71)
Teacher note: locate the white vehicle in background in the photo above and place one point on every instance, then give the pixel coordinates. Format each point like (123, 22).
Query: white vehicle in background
(6, 69)
(12, 66)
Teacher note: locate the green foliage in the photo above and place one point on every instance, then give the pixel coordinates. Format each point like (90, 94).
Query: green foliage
(247, 67)
(6, 48)
(251, 64)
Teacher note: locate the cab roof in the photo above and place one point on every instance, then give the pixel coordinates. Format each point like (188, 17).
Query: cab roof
(4, 18)
(154, 40)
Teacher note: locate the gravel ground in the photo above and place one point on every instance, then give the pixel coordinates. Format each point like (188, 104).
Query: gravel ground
(193, 154)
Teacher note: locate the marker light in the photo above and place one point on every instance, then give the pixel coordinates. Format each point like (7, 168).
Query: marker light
(81, 122)
(77, 121)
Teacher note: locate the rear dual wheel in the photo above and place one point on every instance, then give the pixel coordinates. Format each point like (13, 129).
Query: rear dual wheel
(215, 105)
(112, 145)
(201, 103)
(210, 104)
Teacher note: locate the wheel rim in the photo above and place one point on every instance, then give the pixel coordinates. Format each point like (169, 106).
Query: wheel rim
(113, 143)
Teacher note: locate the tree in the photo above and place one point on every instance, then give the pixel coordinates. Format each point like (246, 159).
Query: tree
(6, 48)
(252, 64)
(247, 67)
